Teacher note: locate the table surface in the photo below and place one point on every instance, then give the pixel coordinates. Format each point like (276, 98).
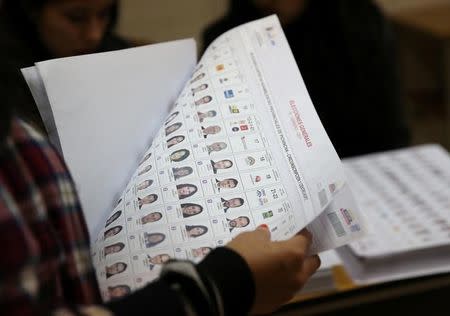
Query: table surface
(405, 296)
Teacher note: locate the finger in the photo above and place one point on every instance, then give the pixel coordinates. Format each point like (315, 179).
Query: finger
(310, 265)
(264, 230)
(301, 241)
(305, 233)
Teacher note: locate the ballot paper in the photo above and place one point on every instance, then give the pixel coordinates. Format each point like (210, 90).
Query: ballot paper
(173, 158)
(405, 195)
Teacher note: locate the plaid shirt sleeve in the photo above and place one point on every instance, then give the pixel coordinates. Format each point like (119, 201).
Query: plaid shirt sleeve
(45, 266)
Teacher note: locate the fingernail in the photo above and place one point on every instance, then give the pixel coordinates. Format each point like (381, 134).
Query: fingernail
(263, 226)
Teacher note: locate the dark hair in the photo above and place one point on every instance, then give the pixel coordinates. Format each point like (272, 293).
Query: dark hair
(248, 220)
(186, 154)
(182, 168)
(177, 125)
(141, 202)
(206, 97)
(174, 138)
(145, 158)
(171, 117)
(112, 218)
(180, 186)
(23, 46)
(154, 195)
(113, 228)
(231, 179)
(149, 244)
(190, 227)
(111, 274)
(21, 15)
(150, 181)
(160, 215)
(240, 200)
(184, 205)
(120, 244)
(224, 160)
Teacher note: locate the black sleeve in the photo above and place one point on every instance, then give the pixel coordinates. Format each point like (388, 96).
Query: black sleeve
(223, 267)
(232, 275)
(156, 298)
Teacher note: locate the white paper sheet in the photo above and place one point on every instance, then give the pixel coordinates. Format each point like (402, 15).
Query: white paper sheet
(107, 108)
(405, 195)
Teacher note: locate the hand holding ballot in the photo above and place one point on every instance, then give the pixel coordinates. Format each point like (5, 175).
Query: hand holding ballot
(284, 266)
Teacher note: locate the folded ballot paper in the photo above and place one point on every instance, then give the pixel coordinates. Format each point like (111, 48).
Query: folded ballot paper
(406, 199)
(172, 157)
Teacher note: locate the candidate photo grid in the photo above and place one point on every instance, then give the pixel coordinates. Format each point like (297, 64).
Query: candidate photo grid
(206, 199)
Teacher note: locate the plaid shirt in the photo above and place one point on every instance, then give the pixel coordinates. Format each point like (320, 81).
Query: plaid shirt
(45, 265)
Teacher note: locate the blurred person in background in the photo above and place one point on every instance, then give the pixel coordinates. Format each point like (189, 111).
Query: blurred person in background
(345, 52)
(37, 30)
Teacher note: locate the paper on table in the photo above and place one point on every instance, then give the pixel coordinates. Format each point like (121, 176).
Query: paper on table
(405, 195)
(114, 129)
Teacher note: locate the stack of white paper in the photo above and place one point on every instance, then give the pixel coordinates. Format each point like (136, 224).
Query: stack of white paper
(405, 195)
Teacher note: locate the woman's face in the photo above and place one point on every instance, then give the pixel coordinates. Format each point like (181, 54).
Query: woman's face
(156, 238)
(182, 172)
(177, 155)
(172, 128)
(112, 249)
(171, 117)
(223, 164)
(150, 218)
(201, 252)
(196, 231)
(116, 268)
(175, 140)
(74, 27)
(148, 199)
(206, 99)
(186, 190)
(160, 259)
(192, 209)
(114, 217)
(144, 185)
(112, 232)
